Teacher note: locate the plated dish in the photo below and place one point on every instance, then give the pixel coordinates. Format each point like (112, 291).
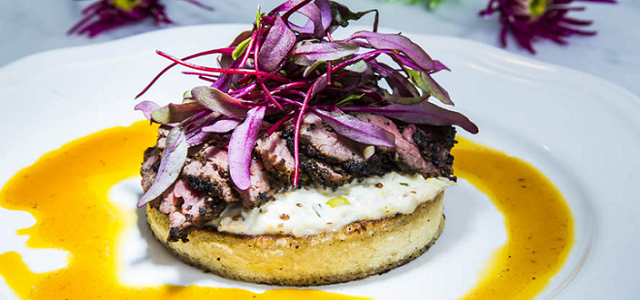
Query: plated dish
(521, 105)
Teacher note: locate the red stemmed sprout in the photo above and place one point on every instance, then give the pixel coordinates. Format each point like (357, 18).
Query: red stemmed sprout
(283, 71)
(105, 15)
(531, 20)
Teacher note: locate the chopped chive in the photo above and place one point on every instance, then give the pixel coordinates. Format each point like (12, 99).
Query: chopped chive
(316, 211)
(404, 184)
(337, 201)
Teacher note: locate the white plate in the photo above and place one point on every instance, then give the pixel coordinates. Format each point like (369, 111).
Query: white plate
(581, 131)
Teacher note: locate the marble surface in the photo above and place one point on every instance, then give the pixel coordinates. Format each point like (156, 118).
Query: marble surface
(31, 26)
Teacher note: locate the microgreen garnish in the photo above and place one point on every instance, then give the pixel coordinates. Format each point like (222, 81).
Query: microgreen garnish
(285, 69)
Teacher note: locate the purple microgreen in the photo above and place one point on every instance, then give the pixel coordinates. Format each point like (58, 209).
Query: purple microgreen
(222, 126)
(356, 129)
(239, 93)
(224, 51)
(328, 72)
(279, 123)
(280, 65)
(289, 7)
(310, 53)
(147, 107)
(240, 38)
(241, 144)
(240, 48)
(314, 24)
(217, 101)
(426, 83)
(325, 13)
(400, 85)
(289, 86)
(316, 87)
(276, 46)
(243, 62)
(195, 135)
(267, 94)
(221, 70)
(198, 137)
(175, 113)
(420, 113)
(439, 66)
(225, 80)
(307, 9)
(173, 158)
(397, 42)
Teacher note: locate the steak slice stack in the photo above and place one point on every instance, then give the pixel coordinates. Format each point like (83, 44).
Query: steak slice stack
(204, 186)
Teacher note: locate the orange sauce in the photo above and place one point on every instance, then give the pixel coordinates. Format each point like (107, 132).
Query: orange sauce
(66, 191)
(538, 222)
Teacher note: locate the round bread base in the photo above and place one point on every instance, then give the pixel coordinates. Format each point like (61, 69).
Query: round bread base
(359, 250)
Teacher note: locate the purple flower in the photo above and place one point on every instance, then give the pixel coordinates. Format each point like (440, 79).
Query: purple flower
(532, 20)
(109, 14)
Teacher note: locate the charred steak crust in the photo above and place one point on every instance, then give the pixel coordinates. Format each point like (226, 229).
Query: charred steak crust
(204, 187)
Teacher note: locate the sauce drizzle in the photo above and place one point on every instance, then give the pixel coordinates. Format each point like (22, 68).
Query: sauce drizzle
(538, 222)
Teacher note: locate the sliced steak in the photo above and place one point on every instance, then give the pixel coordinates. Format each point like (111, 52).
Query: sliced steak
(259, 191)
(276, 158)
(149, 167)
(210, 173)
(163, 132)
(185, 208)
(316, 172)
(317, 139)
(435, 143)
(407, 154)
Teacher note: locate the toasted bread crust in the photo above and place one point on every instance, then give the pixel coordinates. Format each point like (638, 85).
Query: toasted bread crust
(359, 250)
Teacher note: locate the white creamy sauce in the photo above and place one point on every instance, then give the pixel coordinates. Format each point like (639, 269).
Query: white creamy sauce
(305, 212)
